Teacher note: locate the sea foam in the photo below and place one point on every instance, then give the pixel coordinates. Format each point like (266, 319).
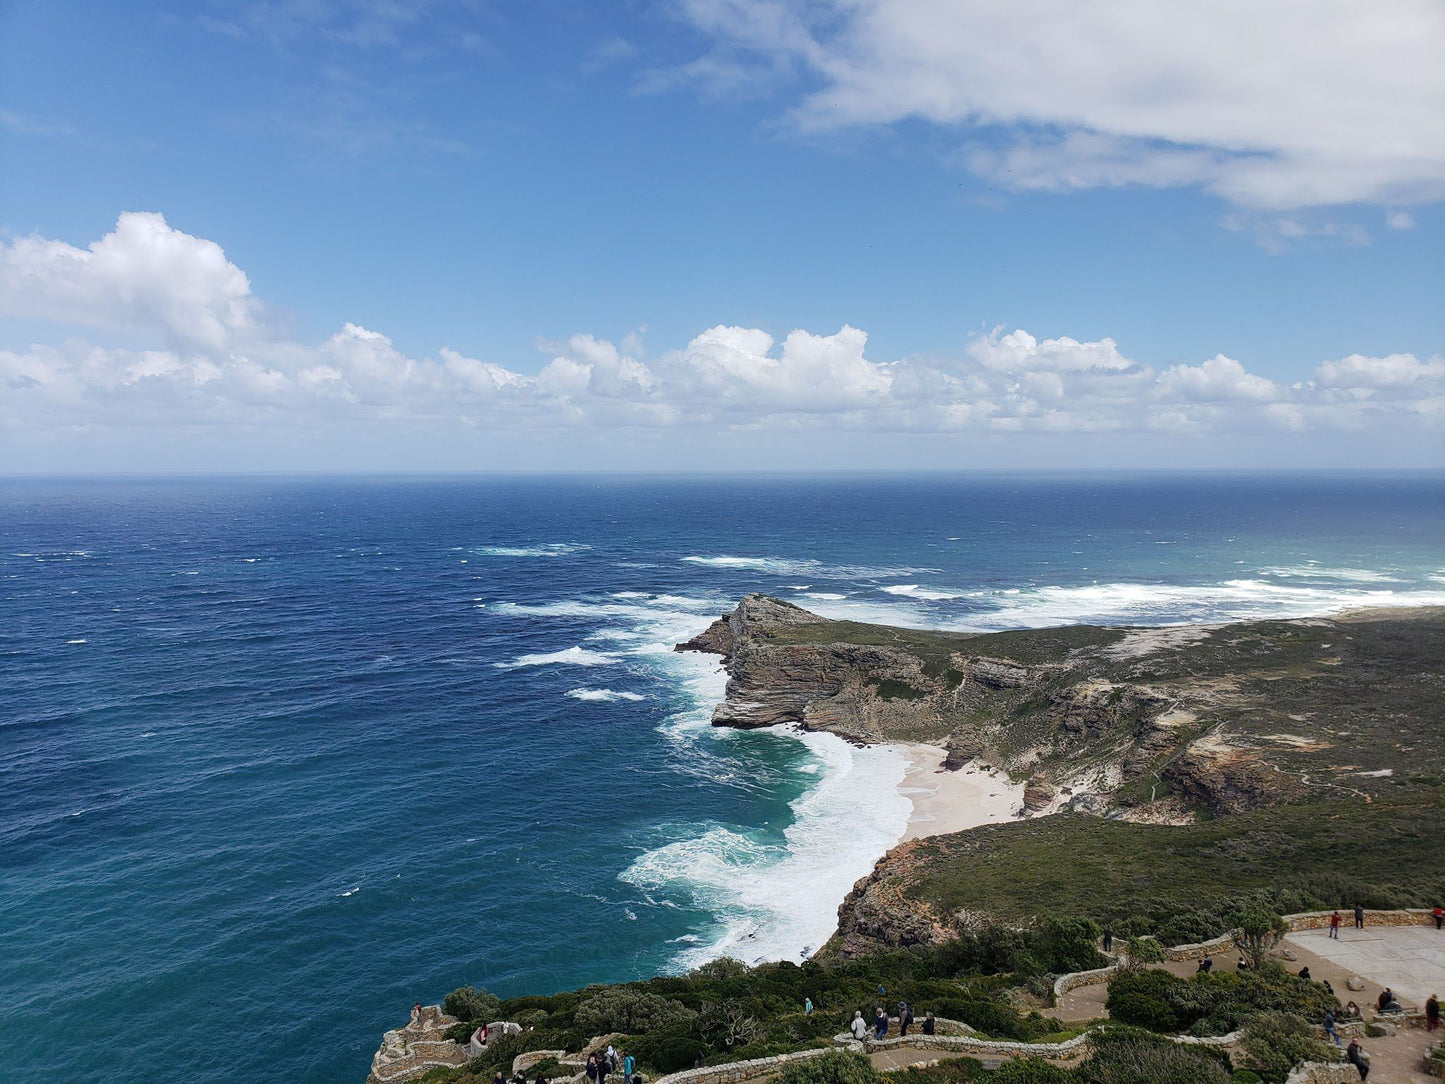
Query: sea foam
(603, 695)
(572, 656)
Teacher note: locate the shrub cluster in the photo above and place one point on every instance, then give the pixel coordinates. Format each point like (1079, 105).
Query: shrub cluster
(1214, 1003)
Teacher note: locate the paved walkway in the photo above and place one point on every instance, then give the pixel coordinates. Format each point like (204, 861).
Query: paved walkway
(1408, 959)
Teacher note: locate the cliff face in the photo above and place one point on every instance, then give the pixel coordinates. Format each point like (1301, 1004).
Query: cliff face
(1136, 725)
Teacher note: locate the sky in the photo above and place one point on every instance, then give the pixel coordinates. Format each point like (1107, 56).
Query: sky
(336, 235)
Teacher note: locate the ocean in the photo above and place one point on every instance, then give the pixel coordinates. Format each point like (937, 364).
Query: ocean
(281, 756)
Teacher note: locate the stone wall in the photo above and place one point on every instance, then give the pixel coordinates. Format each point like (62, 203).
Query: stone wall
(1074, 979)
(1324, 1072)
(736, 1071)
(411, 1050)
(968, 1044)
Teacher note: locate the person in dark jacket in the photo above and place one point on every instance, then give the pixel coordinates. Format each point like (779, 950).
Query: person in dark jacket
(928, 1023)
(1330, 1028)
(1304, 972)
(1356, 1056)
(1432, 1012)
(1206, 965)
(880, 1023)
(1359, 917)
(591, 1070)
(1108, 939)
(905, 1017)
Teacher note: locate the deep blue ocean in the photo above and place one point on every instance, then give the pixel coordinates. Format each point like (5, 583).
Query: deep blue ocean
(279, 757)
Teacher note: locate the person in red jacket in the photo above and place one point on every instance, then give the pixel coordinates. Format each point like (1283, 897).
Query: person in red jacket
(1335, 925)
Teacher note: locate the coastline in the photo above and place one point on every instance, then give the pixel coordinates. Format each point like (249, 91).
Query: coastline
(952, 801)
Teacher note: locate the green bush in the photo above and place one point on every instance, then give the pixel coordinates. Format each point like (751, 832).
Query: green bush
(631, 1011)
(1128, 1057)
(1275, 1042)
(468, 1004)
(834, 1067)
(1030, 1071)
(1139, 998)
(667, 1049)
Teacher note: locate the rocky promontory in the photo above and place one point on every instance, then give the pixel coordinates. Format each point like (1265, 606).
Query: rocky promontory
(1152, 730)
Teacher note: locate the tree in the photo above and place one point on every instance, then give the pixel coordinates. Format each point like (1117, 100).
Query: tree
(631, 1011)
(1258, 934)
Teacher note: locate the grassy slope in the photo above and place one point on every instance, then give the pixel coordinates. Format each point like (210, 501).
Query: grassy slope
(1384, 853)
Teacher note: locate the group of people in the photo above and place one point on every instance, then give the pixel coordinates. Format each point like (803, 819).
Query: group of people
(881, 1023)
(603, 1064)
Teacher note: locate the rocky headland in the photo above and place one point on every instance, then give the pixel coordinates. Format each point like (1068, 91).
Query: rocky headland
(1146, 740)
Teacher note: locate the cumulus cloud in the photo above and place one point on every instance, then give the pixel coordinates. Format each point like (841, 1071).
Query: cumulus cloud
(142, 275)
(215, 365)
(1274, 104)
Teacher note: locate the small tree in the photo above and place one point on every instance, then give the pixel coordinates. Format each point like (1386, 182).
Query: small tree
(727, 1023)
(1258, 934)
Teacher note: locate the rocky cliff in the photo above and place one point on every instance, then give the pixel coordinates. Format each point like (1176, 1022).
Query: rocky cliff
(1146, 726)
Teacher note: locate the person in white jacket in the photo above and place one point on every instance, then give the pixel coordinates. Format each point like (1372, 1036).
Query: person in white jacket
(859, 1027)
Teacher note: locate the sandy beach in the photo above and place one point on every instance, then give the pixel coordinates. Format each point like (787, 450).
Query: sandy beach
(945, 801)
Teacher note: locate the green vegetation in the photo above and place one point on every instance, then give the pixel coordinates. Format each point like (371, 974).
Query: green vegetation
(1275, 1042)
(1187, 883)
(1214, 1003)
(1258, 934)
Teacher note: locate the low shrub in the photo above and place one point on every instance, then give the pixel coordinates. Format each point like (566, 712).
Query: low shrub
(1139, 998)
(1275, 1042)
(468, 1004)
(627, 1010)
(834, 1067)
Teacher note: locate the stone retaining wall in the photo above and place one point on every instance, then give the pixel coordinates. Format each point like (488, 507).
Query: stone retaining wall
(1074, 979)
(1323, 1072)
(736, 1071)
(968, 1044)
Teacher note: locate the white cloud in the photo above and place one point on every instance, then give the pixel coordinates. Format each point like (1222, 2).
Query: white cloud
(233, 372)
(1220, 379)
(1274, 104)
(143, 275)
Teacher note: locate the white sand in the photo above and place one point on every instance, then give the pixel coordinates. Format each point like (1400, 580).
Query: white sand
(945, 801)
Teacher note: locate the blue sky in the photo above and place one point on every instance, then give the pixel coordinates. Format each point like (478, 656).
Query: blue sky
(565, 199)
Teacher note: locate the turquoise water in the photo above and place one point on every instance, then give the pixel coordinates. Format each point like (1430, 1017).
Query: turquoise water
(279, 757)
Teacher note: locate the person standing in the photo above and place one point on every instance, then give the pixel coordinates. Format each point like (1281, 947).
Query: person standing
(859, 1027)
(1359, 917)
(591, 1070)
(905, 1017)
(1335, 925)
(1432, 1012)
(629, 1067)
(1438, 915)
(1108, 939)
(1357, 1057)
(807, 1006)
(928, 1023)
(1330, 1028)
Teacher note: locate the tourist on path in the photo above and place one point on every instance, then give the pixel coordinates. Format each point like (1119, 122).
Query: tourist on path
(629, 1067)
(592, 1069)
(499, 1078)
(1359, 917)
(905, 1017)
(807, 1006)
(1432, 1012)
(859, 1027)
(1108, 939)
(1304, 972)
(1335, 925)
(1206, 965)
(1439, 916)
(880, 1023)
(1386, 996)
(604, 1066)
(928, 1022)
(1330, 1029)
(1357, 1057)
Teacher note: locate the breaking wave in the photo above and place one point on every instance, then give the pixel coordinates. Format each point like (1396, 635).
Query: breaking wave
(572, 656)
(603, 695)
